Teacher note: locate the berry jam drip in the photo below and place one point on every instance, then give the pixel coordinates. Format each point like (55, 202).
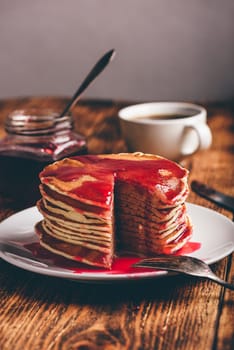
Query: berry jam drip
(160, 175)
(121, 264)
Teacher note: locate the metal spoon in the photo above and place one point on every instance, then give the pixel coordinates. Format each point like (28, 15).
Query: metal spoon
(95, 71)
(183, 264)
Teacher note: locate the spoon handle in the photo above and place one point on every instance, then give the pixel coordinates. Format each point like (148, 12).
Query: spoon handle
(95, 71)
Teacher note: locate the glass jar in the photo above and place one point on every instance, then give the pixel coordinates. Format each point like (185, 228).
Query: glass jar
(34, 138)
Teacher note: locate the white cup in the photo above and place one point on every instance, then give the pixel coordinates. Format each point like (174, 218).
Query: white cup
(173, 130)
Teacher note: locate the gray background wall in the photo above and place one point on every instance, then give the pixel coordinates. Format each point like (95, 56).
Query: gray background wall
(166, 49)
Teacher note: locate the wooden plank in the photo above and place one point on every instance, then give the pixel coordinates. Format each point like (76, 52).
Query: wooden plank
(154, 314)
(44, 313)
(225, 324)
(39, 312)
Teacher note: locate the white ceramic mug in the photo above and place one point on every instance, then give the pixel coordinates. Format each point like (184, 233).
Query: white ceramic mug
(170, 129)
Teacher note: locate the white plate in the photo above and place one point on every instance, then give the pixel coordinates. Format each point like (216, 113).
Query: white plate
(212, 231)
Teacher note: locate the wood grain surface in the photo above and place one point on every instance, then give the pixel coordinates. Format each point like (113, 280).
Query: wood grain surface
(44, 313)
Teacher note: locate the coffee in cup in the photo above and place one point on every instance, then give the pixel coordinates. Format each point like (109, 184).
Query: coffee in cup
(170, 129)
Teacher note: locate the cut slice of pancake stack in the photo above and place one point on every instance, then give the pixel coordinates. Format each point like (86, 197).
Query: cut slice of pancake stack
(97, 206)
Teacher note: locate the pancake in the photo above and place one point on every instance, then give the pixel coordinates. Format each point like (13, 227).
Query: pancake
(95, 207)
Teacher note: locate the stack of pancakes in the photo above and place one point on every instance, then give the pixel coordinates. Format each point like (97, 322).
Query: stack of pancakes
(97, 206)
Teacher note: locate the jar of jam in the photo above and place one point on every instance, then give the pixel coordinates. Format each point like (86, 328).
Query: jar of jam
(34, 138)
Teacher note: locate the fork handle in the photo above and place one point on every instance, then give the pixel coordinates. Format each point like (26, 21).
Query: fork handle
(221, 282)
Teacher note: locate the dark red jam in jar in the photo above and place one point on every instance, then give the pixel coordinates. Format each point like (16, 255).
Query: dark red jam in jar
(34, 138)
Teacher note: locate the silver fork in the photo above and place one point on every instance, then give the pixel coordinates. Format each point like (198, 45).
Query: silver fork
(183, 264)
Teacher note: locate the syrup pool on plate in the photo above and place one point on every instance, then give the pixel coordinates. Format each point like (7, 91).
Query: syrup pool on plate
(122, 264)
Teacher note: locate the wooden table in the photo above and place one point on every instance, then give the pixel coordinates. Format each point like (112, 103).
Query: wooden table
(44, 313)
